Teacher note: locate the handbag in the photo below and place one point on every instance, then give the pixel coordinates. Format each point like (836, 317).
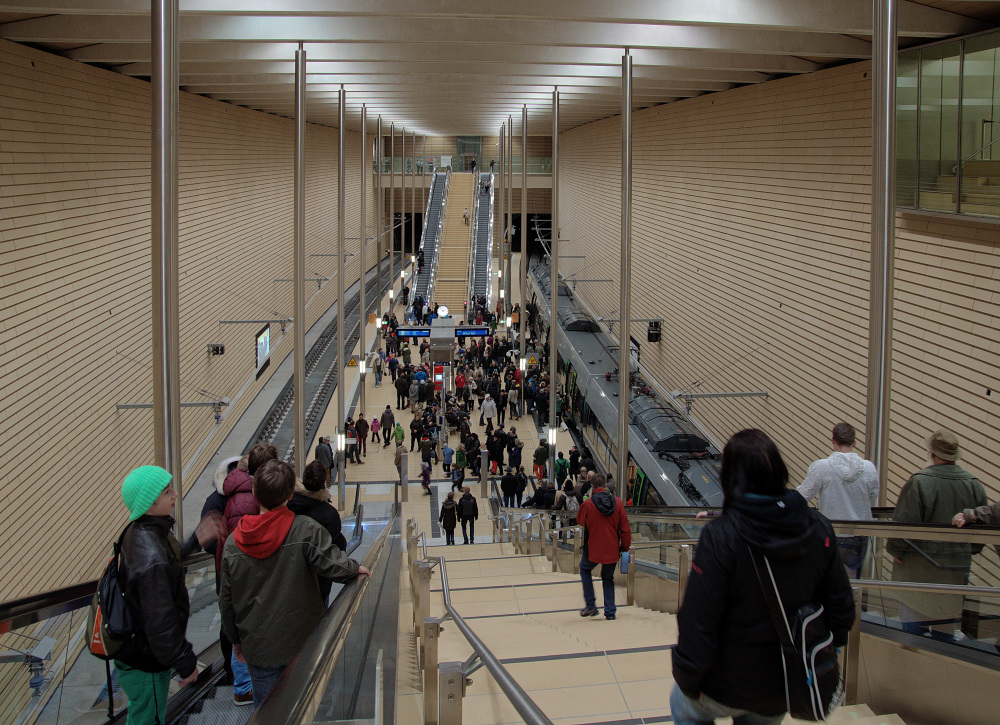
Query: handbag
(814, 683)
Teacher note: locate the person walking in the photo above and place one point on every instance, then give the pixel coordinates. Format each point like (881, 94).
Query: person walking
(388, 422)
(468, 512)
(324, 452)
(376, 426)
(488, 411)
(606, 533)
(361, 427)
(398, 434)
(448, 518)
(846, 486)
(728, 658)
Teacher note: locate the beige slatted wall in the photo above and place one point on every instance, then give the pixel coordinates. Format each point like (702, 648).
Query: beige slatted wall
(74, 240)
(751, 228)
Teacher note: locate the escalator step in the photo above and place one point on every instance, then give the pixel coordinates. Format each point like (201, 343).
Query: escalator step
(218, 709)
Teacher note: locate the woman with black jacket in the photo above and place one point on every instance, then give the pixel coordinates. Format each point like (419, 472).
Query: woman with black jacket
(728, 661)
(313, 500)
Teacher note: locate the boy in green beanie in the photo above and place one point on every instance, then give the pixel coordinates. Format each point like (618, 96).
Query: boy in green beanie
(152, 579)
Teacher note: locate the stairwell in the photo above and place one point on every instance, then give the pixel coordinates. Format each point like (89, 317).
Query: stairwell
(581, 670)
(451, 287)
(429, 241)
(483, 249)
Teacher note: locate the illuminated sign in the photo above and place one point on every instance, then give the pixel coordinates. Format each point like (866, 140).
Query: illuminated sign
(472, 331)
(413, 331)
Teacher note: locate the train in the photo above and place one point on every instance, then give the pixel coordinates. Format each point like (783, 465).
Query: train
(669, 462)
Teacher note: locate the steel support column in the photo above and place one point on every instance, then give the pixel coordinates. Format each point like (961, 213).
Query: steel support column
(379, 222)
(392, 212)
(364, 254)
(883, 221)
(413, 212)
(341, 407)
(625, 282)
(554, 292)
(522, 316)
(165, 248)
(501, 188)
(299, 266)
(510, 211)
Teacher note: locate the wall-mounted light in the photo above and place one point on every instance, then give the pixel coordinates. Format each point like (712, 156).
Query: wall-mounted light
(507, 321)
(552, 436)
(501, 294)
(524, 364)
(391, 291)
(341, 442)
(361, 367)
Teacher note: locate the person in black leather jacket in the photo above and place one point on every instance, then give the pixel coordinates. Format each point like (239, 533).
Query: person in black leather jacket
(727, 661)
(153, 582)
(313, 500)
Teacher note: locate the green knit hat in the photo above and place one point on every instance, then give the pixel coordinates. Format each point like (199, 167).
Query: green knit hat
(141, 488)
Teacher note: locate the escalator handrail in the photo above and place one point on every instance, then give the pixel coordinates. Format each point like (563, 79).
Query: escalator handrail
(297, 695)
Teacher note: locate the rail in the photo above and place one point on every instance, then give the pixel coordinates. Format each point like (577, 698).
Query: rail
(471, 270)
(445, 683)
(298, 694)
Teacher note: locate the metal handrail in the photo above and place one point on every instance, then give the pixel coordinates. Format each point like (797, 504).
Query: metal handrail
(473, 225)
(522, 702)
(977, 151)
(297, 696)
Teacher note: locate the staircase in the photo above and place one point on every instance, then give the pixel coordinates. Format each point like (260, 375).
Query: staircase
(451, 286)
(429, 243)
(483, 250)
(583, 670)
(980, 189)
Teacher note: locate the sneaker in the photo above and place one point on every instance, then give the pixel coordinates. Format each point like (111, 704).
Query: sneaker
(588, 612)
(246, 699)
(609, 616)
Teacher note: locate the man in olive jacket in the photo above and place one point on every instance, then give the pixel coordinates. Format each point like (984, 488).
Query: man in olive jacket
(933, 495)
(271, 566)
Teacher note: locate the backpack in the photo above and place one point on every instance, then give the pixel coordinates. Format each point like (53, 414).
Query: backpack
(572, 502)
(814, 683)
(110, 622)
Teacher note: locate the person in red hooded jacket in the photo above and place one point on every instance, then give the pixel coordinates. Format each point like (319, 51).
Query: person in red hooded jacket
(606, 533)
(271, 568)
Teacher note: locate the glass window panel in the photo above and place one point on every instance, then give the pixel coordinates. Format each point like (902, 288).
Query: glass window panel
(907, 78)
(980, 128)
(938, 127)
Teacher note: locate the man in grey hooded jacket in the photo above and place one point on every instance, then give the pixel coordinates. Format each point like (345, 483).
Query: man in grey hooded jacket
(846, 486)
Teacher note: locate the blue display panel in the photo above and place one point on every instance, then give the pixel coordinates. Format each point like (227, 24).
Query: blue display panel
(472, 331)
(413, 332)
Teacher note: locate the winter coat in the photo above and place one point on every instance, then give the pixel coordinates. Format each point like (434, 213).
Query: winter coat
(606, 531)
(361, 426)
(514, 456)
(508, 484)
(933, 496)
(388, 419)
(398, 433)
(316, 506)
(238, 489)
(324, 454)
(489, 408)
(402, 386)
(397, 459)
(270, 598)
(541, 456)
(727, 646)
(448, 517)
(468, 507)
(153, 581)
(574, 463)
(846, 484)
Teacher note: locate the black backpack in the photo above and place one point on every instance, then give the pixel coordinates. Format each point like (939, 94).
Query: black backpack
(814, 684)
(110, 623)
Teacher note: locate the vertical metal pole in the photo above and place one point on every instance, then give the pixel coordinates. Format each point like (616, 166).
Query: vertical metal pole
(392, 210)
(404, 477)
(484, 471)
(554, 292)
(423, 177)
(363, 310)
(402, 219)
(625, 282)
(429, 664)
(510, 211)
(299, 327)
(522, 316)
(165, 248)
(341, 408)
(501, 188)
(880, 308)
(379, 225)
(451, 687)
(413, 212)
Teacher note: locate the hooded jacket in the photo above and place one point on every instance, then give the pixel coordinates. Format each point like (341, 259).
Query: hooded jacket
(388, 419)
(270, 596)
(606, 529)
(846, 484)
(238, 489)
(468, 507)
(448, 517)
(728, 647)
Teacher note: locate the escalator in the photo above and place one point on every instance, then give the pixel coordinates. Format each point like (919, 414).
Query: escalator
(422, 285)
(483, 251)
(344, 656)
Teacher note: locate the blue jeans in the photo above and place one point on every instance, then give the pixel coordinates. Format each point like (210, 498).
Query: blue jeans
(264, 677)
(378, 377)
(607, 579)
(242, 684)
(704, 710)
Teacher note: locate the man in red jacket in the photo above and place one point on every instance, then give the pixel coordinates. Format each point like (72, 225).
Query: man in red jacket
(606, 533)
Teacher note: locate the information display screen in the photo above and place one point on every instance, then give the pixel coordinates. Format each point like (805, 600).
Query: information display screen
(263, 347)
(472, 331)
(413, 332)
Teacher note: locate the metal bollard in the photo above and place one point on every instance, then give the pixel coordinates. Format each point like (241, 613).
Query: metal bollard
(404, 478)
(429, 658)
(423, 609)
(484, 469)
(683, 569)
(451, 688)
(630, 579)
